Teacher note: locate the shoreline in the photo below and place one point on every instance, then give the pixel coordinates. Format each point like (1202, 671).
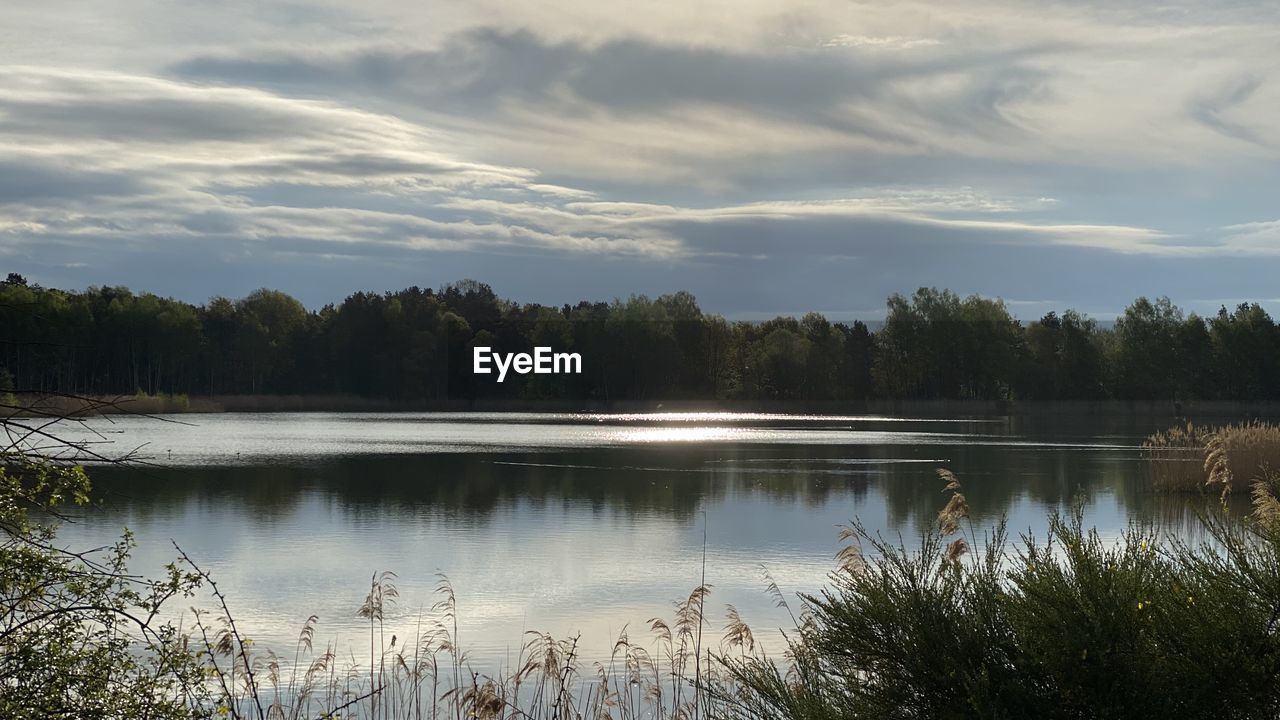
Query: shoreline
(166, 405)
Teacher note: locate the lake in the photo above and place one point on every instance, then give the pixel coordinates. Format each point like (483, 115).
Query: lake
(572, 523)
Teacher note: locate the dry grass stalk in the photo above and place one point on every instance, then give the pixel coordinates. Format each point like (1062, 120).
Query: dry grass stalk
(737, 634)
(1193, 458)
(952, 482)
(957, 507)
(428, 676)
(849, 558)
(1266, 500)
(1174, 457)
(1217, 463)
(1250, 448)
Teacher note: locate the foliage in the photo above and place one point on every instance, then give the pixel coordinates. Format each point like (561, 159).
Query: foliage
(1073, 626)
(79, 636)
(83, 637)
(939, 346)
(415, 345)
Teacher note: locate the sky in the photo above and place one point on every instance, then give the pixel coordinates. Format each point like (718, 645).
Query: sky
(771, 158)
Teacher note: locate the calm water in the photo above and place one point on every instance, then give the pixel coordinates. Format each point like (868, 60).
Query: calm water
(572, 523)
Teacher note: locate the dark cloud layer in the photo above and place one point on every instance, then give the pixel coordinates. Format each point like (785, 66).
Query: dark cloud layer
(483, 70)
(33, 182)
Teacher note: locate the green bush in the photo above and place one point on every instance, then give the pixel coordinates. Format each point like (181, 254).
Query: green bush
(1071, 626)
(79, 635)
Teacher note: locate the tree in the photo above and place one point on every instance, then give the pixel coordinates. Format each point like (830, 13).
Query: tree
(777, 370)
(1148, 351)
(1064, 359)
(268, 323)
(855, 374)
(1245, 348)
(413, 346)
(937, 346)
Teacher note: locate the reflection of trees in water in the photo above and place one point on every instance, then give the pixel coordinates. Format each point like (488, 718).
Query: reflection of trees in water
(997, 477)
(1179, 513)
(473, 486)
(674, 480)
(267, 491)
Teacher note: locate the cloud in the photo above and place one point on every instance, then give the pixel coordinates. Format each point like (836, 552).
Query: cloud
(979, 96)
(502, 75)
(1255, 238)
(841, 146)
(1212, 110)
(895, 42)
(128, 159)
(137, 122)
(32, 181)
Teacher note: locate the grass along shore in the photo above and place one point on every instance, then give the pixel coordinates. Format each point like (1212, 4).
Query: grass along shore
(1202, 458)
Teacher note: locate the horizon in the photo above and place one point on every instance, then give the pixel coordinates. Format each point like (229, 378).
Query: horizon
(872, 321)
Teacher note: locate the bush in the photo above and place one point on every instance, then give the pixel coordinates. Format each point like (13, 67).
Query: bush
(1065, 627)
(79, 635)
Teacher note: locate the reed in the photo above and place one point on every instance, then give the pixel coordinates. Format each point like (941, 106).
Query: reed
(1174, 458)
(1199, 458)
(661, 673)
(31, 404)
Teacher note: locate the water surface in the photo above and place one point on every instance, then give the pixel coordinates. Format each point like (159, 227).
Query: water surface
(573, 523)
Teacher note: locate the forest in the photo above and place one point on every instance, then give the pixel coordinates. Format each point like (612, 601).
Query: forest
(414, 346)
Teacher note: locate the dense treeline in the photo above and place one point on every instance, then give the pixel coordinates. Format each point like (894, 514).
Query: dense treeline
(415, 345)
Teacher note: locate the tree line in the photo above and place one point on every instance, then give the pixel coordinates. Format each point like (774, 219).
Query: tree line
(415, 346)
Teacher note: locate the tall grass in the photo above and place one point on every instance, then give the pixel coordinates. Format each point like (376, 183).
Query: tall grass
(657, 673)
(1174, 458)
(1069, 626)
(1196, 458)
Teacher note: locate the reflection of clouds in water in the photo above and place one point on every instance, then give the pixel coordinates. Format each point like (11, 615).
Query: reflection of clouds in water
(582, 531)
(551, 567)
(724, 467)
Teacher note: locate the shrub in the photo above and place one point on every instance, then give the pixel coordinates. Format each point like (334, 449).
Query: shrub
(1065, 627)
(79, 635)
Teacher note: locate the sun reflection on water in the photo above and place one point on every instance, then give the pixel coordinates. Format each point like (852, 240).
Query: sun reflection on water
(682, 434)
